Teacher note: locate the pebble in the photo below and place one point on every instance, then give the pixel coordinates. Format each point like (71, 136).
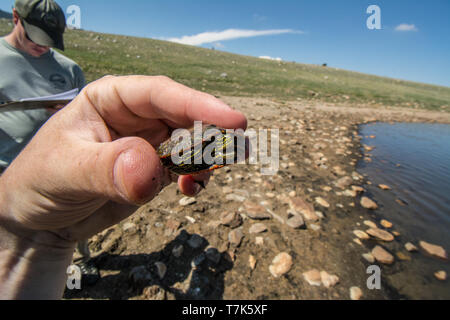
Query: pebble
(361, 234)
(177, 251)
(441, 275)
(195, 241)
(358, 189)
(231, 219)
(403, 256)
(368, 203)
(235, 237)
(370, 224)
(384, 187)
(252, 262)
(369, 257)
(382, 255)
(295, 222)
(235, 197)
(355, 293)
(257, 228)
(322, 202)
(314, 227)
(281, 264)
(410, 247)
(190, 219)
(259, 241)
(313, 277)
(357, 241)
(161, 268)
(344, 182)
(328, 280)
(350, 193)
(433, 249)
(386, 223)
(256, 211)
(187, 201)
(380, 234)
(302, 207)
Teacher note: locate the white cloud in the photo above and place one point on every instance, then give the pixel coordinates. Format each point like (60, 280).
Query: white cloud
(229, 34)
(270, 58)
(406, 27)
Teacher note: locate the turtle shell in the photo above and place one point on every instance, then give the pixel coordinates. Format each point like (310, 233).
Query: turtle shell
(187, 156)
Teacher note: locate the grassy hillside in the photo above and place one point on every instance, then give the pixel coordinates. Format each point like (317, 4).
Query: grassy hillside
(230, 74)
(6, 15)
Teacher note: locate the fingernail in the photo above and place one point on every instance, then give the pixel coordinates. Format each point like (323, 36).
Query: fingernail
(118, 173)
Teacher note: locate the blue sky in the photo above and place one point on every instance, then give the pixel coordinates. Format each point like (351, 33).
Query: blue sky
(413, 43)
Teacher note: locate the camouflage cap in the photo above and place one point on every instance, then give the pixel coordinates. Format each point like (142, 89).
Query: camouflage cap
(43, 20)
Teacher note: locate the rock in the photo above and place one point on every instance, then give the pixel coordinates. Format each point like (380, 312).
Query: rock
(382, 255)
(369, 257)
(177, 251)
(295, 222)
(235, 237)
(172, 225)
(355, 293)
(161, 269)
(227, 190)
(433, 249)
(300, 206)
(235, 197)
(386, 223)
(441, 275)
(361, 234)
(256, 211)
(281, 264)
(350, 193)
(190, 219)
(231, 219)
(410, 247)
(357, 241)
(338, 171)
(140, 275)
(187, 201)
(313, 277)
(154, 292)
(380, 234)
(314, 227)
(259, 241)
(358, 189)
(328, 280)
(368, 204)
(257, 228)
(402, 256)
(129, 227)
(384, 187)
(322, 202)
(343, 182)
(252, 262)
(195, 241)
(213, 255)
(370, 224)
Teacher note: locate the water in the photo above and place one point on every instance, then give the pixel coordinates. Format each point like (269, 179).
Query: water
(414, 160)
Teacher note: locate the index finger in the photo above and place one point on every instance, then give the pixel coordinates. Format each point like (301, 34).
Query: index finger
(135, 98)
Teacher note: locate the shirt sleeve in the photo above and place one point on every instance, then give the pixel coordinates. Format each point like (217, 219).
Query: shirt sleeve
(80, 81)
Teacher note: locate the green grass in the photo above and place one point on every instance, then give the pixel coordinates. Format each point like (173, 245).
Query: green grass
(101, 54)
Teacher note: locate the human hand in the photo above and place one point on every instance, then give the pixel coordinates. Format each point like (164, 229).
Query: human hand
(95, 159)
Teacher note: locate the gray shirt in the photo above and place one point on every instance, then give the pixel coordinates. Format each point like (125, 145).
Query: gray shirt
(24, 76)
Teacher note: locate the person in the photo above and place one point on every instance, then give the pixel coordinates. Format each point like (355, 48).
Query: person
(87, 169)
(33, 69)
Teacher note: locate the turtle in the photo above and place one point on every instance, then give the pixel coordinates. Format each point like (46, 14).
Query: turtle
(190, 155)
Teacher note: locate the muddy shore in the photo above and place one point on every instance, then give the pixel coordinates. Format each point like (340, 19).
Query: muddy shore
(317, 181)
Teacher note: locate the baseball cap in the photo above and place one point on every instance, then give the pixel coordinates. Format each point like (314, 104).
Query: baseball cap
(43, 20)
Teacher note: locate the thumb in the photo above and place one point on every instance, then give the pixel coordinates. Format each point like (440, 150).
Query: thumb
(126, 170)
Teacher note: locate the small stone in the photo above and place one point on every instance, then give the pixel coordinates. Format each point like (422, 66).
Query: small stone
(295, 222)
(350, 193)
(370, 224)
(235, 237)
(259, 241)
(231, 219)
(368, 204)
(441, 275)
(195, 241)
(344, 182)
(213, 255)
(313, 277)
(396, 233)
(227, 190)
(154, 292)
(314, 227)
(358, 189)
(252, 262)
(410, 247)
(140, 275)
(369, 257)
(403, 256)
(257, 228)
(256, 211)
(172, 225)
(129, 227)
(190, 219)
(161, 269)
(338, 171)
(380, 234)
(235, 197)
(361, 234)
(357, 241)
(177, 251)
(384, 187)
(300, 206)
(281, 264)
(292, 194)
(355, 293)
(433, 249)
(386, 223)
(322, 202)
(187, 201)
(328, 280)
(327, 188)
(382, 255)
